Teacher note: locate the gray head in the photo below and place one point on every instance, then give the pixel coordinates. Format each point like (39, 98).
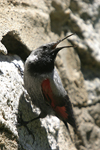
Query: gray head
(42, 59)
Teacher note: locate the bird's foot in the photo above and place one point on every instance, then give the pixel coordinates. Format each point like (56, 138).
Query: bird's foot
(21, 122)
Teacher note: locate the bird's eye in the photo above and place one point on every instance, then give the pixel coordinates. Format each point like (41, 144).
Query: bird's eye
(44, 47)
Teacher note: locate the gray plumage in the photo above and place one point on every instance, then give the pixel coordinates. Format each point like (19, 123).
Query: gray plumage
(39, 66)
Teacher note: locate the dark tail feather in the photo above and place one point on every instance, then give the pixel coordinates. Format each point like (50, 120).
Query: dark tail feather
(71, 120)
(68, 130)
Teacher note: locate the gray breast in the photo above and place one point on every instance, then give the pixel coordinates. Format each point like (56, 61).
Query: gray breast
(33, 87)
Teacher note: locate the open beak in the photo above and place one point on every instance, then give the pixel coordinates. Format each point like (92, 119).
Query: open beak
(54, 49)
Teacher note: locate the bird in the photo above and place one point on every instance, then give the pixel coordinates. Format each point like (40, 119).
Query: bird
(44, 85)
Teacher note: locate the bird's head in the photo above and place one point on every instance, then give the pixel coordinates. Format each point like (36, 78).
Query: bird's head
(42, 59)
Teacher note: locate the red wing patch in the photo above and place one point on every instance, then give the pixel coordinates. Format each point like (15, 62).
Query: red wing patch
(52, 99)
(61, 111)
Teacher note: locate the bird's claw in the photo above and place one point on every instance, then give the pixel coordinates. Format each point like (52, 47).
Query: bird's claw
(20, 121)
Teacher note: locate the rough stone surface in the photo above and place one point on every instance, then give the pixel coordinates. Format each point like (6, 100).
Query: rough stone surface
(25, 25)
(40, 134)
(3, 49)
(10, 91)
(85, 22)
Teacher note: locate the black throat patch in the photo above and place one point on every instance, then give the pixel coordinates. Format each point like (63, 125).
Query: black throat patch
(40, 68)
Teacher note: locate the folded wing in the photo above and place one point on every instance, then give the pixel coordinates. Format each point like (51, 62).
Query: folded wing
(60, 104)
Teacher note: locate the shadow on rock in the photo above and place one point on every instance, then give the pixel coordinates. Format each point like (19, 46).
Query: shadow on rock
(31, 136)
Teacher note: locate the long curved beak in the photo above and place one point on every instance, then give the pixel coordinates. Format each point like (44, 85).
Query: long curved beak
(54, 49)
(63, 39)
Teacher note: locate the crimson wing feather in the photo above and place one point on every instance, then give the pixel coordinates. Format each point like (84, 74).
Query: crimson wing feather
(61, 105)
(58, 105)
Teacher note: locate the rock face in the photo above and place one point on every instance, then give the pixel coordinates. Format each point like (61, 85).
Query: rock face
(24, 26)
